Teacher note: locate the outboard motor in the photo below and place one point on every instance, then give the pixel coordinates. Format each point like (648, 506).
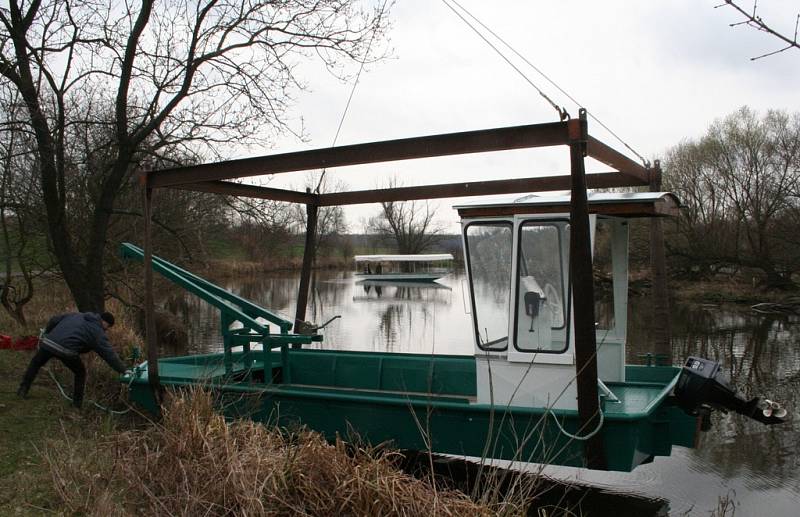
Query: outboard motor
(703, 387)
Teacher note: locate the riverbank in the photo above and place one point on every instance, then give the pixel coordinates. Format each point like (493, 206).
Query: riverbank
(58, 459)
(28, 428)
(729, 290)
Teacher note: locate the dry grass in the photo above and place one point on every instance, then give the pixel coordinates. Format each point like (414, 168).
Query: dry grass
(194, 463)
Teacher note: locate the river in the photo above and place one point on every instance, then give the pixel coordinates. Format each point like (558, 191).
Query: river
(756, 467)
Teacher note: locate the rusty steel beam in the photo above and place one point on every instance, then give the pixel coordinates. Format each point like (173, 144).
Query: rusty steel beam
(613, 158)
(230, 188)
(476, 188)
(149, 304)
(499, 139)
(661, 329)
(309, 254)
(581, 280)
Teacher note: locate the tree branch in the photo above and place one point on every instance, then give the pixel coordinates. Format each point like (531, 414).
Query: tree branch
(751, 19)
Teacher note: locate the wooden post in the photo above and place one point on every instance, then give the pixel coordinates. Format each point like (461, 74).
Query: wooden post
(149, 304)
(580, 260)
(658, 270)
(309, 252)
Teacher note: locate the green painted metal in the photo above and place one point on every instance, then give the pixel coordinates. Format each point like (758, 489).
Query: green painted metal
(244, 310)
(232, 309)
(414, 400)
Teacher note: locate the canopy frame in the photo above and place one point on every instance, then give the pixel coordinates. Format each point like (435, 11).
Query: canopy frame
(216, 178)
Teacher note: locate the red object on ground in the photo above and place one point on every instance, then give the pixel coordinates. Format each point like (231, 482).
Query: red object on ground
(21, 343)
(25, 343)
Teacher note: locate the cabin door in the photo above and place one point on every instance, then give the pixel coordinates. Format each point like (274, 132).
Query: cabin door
(540, 320)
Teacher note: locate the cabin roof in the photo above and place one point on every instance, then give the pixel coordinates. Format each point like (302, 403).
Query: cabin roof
(618, 204)
(404, 258)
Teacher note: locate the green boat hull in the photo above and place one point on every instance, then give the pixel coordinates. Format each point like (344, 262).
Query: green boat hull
(424, 402)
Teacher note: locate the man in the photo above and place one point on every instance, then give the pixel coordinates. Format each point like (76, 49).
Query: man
(66, 336)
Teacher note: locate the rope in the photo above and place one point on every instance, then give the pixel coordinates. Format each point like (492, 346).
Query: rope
(98, 406)
(546, 77)
(586, 436)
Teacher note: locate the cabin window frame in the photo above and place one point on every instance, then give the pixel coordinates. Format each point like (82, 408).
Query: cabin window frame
(487, 222)
(566, 285)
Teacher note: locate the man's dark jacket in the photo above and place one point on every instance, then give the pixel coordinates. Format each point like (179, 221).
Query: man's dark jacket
(81, 332)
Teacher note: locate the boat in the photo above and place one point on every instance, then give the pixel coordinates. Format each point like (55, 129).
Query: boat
(405, 292)
(514, 399)
(544, 384)
(403, 268)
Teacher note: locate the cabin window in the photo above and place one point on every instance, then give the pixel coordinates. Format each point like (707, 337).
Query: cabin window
(542, 307)
(489, 254)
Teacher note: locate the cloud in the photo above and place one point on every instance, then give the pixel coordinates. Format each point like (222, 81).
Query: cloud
(655, 72)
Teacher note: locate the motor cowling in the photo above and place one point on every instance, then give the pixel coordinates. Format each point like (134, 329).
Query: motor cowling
(703, 386)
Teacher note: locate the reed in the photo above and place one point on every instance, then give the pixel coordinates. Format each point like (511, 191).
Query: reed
(195, 463)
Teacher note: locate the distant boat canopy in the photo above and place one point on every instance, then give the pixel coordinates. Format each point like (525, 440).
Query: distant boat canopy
(403, 268)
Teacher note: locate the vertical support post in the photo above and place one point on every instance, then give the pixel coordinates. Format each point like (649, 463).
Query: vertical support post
(580, 260)
(286, 367)
(619, 264)
(658, 270)
(227, 342)
(266, 353)
(309, 252)
(149, 303)
(247, 362)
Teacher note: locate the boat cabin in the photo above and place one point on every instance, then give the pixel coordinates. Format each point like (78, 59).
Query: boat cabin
(517, 260)
(403, 268)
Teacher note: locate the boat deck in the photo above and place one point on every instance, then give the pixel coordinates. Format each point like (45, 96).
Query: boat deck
(446, 378)
(386, 396)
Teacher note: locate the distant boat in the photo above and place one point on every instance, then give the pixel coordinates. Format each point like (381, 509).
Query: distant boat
(403, 268)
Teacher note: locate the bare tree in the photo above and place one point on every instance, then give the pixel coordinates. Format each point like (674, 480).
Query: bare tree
(752, 19)
(154, 79)
(409, 223)
(262, 227)
(21, 242)
(739, 179)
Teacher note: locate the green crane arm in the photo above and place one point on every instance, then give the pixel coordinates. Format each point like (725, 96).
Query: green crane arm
(233, 306)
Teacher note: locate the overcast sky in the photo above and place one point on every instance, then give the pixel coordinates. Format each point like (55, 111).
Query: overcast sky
(654, 71)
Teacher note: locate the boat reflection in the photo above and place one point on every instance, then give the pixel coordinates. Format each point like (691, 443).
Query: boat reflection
(426, 292)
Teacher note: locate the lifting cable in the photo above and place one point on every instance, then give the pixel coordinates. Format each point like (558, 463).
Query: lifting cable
(352, 91)
(562, 113)
(586, 436)
(95, 404)
(644, 161)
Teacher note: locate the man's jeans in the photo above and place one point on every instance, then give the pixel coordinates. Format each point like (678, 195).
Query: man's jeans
(74, 363)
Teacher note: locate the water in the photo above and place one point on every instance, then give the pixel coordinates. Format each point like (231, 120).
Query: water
(758, 467)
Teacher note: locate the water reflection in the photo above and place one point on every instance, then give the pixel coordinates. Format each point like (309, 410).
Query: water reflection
(760, 353)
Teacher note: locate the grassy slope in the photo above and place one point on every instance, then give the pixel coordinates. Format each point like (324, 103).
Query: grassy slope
(26, 426)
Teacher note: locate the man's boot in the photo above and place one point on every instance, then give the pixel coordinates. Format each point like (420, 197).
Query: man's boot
(22, 391)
